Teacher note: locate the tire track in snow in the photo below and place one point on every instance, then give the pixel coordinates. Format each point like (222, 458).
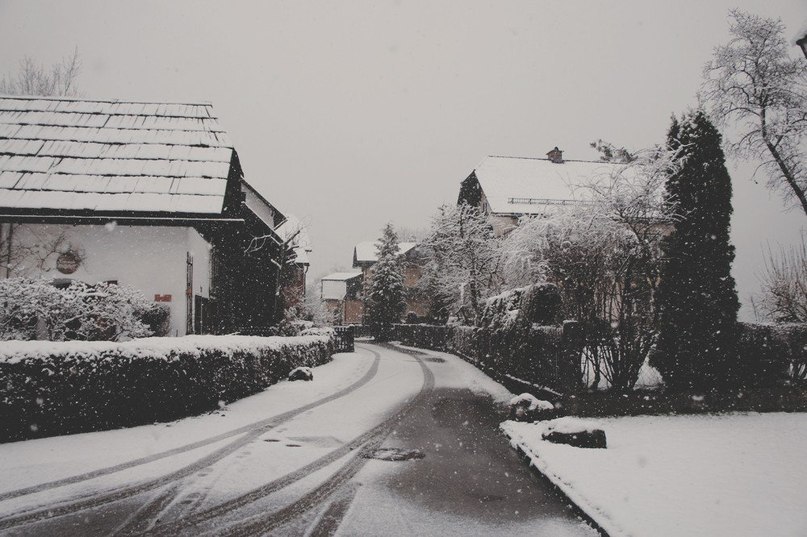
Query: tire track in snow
(250, 432)
(181, 449)
(261, 523)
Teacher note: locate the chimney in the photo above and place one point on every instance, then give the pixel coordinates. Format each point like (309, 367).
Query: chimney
(556, 155)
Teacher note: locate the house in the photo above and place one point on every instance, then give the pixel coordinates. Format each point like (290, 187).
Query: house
(293, 233)
(508, 188)
(150, 195)
(365, 255)
(342, 296)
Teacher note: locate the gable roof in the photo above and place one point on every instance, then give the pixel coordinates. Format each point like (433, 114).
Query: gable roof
(367, 251)
(341, 276)
(79, 155)
(523, 185)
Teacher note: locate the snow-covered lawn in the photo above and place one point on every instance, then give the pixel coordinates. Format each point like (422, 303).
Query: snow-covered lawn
(729, 475)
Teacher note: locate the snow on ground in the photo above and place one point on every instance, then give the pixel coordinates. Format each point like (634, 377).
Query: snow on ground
(729, 475)
(571, 425)
(30, 462)
(468, 376)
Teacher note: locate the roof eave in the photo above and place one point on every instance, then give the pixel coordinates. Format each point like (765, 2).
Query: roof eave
(13, 217)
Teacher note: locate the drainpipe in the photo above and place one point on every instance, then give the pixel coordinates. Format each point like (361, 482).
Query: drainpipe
(9, 239)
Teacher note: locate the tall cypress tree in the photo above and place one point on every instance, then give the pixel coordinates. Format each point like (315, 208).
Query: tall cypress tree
(385, 294)
(697, 296)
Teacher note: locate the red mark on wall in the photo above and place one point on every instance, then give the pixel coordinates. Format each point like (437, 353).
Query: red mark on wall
(162, 298)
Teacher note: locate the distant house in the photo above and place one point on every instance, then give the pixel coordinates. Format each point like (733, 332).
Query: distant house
(150, 195)
(291, 230)
(342, 296)
(507, 188)
(365, 255)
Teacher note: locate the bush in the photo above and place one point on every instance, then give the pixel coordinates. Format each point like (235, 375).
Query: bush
(35, 309)
(157, 318)
(68, 387)
(541, 304)
(535, 304)
(770, 353)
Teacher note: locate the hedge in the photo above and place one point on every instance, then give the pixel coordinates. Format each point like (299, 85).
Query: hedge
(51, 388)
(769, 356)
(527, 353)
(770, 353)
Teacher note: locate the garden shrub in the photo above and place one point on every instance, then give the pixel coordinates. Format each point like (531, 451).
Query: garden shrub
(770, 353)
(36, 309)
(54, 388)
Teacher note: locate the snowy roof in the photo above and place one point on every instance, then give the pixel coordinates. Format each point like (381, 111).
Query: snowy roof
(103, 155)
(367, 251)
(341, 276)
(521, 185)
(287, 230)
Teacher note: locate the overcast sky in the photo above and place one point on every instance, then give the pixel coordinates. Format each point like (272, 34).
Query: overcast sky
(352, 114)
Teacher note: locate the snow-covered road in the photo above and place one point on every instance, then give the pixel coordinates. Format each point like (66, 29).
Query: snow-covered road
(296, 459)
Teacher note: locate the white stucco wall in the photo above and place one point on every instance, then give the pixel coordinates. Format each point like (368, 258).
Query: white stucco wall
(334, 289)
(201, 251)
(149, 258)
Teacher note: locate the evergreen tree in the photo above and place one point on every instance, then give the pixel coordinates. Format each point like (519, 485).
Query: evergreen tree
(697, 295)
(385, 295)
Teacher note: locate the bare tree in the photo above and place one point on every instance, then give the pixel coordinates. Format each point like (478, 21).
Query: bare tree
(30, 249)
(784, 285)
(34, 78)
(754, 84)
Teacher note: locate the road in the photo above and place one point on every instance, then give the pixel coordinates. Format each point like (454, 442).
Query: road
(318, 463)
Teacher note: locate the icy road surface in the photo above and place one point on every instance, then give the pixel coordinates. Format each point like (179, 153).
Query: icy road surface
(300, 458)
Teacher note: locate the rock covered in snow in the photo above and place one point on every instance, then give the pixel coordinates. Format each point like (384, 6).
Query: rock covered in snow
(527, 407)
(575, 432)
(301, 373)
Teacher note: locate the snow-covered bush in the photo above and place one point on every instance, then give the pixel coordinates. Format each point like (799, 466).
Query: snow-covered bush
(534, 304)
(53, 388)
(527, 407)
(575, 432)
(36, 309)
(289, 325)
(301, 373)
(463, 258)
(30, 306)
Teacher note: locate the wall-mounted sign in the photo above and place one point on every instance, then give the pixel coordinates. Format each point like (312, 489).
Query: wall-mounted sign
(162, 298)
(67, 263)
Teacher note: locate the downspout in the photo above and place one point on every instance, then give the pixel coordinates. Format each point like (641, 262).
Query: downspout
(10, 239)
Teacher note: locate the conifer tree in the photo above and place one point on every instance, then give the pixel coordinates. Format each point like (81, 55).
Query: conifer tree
(697, 295)
(384, 301)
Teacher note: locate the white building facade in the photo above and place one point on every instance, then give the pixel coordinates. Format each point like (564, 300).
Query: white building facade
(147, 195)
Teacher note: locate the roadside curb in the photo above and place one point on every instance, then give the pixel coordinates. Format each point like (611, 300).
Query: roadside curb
(561, 489)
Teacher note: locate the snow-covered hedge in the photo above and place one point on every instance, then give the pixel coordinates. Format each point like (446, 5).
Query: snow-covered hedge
(51, 388)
